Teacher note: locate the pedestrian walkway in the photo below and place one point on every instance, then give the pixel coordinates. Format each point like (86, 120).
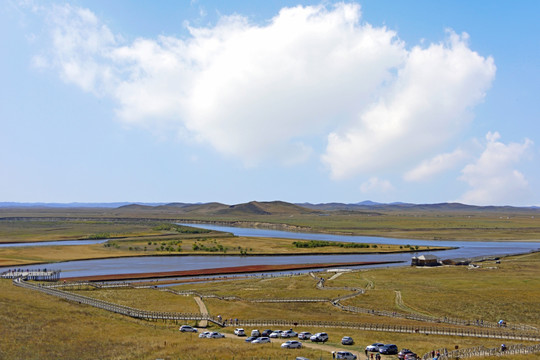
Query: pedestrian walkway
(38, 275)
(203, 310)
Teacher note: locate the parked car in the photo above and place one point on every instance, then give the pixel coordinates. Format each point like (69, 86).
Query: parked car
(291, 344)
(275, 334)
(347, 340)
(288, 334)
(215, 335)
(402, 353)
(319, 337)
(187, 328)
(239, 332)
(411, 356)
(251, 338)
(389, 349)
(345, 355)
(374, 347)
(266, 332)
(304, 335)
(261, 340)
(301, 358)
(255, 333)
(204, 334)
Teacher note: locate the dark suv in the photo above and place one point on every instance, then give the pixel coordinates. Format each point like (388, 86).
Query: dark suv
(389, 349)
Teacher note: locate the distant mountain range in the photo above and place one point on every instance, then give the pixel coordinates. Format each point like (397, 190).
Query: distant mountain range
(268, 208)
(370, 205)
(250, 208)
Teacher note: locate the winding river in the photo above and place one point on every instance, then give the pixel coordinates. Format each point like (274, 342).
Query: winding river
(464, 249)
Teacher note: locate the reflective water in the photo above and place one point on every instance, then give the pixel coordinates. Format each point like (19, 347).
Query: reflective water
(177, 263)
(465, 249)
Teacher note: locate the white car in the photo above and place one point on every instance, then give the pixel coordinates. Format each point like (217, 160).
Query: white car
(319, 337)
(255, 333)
(276, 334)
(215, 335)
(345, 355)
(239, 332)
(291, 344)
(374, 347)
(187, 328)
(288, 334)
(304, 335)
(204, 334)
(261, 340)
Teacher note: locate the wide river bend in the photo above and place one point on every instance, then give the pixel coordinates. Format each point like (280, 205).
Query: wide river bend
(147, 264)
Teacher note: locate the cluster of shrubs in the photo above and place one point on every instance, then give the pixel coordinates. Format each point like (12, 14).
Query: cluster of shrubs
(244, 251)
(173, 245)
(99, 236)
(322, 243)
(179, 228)
(213, 248)
(112, 244)
(410, 247)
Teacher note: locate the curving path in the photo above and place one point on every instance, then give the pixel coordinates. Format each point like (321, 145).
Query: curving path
(203, 310)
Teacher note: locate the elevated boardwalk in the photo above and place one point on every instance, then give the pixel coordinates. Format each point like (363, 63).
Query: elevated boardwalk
(39, 275)
(168, 316)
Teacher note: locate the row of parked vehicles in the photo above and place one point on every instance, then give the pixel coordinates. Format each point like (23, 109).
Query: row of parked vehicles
(285, 334)
(391, 349)
(265, 335)
(261, 337)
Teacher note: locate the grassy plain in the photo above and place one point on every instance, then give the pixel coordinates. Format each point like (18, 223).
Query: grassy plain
(431, 224)
(22, 230)
(38, 326)
(509, 290)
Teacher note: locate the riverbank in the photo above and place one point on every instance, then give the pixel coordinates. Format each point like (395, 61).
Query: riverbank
(210, 244)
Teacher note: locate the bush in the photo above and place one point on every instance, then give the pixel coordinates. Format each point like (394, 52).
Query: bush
(322, 243)
(99, 236)
(179, 228)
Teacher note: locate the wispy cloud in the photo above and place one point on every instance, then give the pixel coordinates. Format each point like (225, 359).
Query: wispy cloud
(376, 185)
(436, 165)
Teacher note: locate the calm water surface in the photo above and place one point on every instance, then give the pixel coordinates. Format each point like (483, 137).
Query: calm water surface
(145, 264)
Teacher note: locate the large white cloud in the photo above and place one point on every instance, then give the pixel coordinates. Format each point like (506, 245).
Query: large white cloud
(424, 107)
(279, 90)
(492, 177)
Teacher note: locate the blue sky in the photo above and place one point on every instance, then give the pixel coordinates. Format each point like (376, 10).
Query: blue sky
(421, 101)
